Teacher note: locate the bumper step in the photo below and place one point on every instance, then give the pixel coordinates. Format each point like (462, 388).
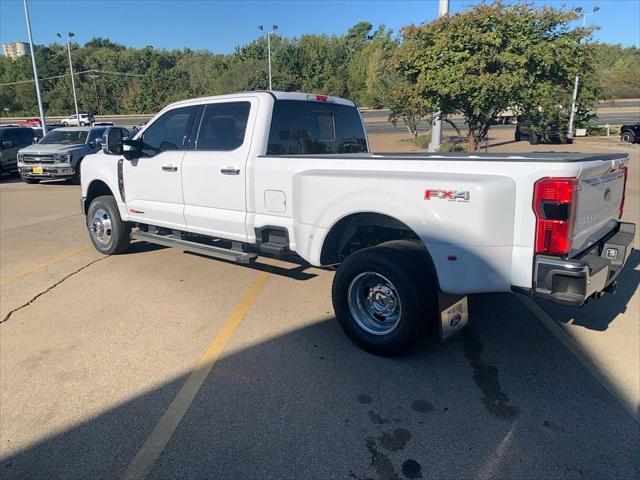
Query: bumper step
(195, 247)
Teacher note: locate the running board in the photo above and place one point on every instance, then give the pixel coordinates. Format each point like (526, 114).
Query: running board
(195, 247)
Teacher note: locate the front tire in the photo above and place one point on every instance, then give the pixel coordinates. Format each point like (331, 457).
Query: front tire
(385, 297)
(534, 139)
(76, 179)
(108, 233)
(627, 137)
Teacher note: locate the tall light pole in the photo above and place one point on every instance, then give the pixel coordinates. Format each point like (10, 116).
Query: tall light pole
(73, 82)
(273, 29)
(436, 128)
(572, 115)
(35, 69)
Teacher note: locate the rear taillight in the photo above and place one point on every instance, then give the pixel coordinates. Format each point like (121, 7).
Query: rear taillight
(554, 203)
(624, 191)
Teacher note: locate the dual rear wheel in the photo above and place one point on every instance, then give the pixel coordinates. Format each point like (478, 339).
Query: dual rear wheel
(385, 297)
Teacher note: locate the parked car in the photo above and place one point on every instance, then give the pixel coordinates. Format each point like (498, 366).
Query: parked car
(630, 133)
(290, 174)
(30, 122)
(554, 134)
(13, 139)
(59, 154)
(86, 119)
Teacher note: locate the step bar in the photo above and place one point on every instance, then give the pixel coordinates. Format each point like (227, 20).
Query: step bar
(195, 247)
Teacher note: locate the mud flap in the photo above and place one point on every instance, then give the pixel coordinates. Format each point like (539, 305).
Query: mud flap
(454, 314)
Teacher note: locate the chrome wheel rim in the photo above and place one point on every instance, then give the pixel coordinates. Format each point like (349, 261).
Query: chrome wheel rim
(374, 303)
(100, 227)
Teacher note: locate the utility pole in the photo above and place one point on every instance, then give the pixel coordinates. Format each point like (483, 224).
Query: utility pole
(73, 81)
(436, 128)
(95, 84)
(35, 69)
(584, 16)
(273, 29)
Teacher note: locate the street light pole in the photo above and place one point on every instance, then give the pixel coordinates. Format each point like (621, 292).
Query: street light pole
(35, 69)
(73, 82)
(572, 114)
(436, 128)
(273, 29)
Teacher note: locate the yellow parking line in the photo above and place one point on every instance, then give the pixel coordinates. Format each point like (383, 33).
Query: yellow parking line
(148, 455)
(44, 265)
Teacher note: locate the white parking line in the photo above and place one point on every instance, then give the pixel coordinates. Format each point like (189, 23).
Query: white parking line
(624, 398)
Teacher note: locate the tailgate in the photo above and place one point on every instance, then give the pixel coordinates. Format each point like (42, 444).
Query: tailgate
(600, 195)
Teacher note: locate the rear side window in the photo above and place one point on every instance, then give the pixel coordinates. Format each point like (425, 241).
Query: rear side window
(303, 127)
(223, 126)
(169, 132)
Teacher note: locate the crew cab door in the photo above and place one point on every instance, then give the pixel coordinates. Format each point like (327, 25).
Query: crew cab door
(214, 171)
(152, 183)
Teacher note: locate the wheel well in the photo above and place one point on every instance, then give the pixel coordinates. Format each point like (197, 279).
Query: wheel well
(361, 230)
(97, 188)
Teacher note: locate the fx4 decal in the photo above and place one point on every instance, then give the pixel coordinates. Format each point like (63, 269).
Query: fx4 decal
(451, 195)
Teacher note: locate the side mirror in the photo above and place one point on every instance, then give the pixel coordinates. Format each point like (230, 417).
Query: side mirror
(114, 142)
(7, 144)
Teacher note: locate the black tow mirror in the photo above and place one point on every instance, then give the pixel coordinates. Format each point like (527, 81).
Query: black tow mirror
(114, 142)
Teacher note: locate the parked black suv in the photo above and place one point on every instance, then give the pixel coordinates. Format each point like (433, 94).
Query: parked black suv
(553, 134)
(630, 133)
(13, 139)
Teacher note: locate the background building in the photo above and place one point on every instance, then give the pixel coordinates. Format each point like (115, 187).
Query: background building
(16, 49)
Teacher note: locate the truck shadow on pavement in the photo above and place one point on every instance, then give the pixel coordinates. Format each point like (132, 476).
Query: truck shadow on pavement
(599, 314)
(501, 400)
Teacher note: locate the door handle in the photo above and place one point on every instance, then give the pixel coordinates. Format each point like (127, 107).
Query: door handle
(169, 168)
(230, 171)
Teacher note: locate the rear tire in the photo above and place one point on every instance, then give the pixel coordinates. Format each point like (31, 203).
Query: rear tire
(108, 233)
(627, 137)
(29, 180)
(385, 297)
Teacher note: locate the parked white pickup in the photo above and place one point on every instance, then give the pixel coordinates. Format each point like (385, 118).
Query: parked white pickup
(277, 173)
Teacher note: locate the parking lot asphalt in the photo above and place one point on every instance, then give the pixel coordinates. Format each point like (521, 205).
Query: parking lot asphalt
(173, 365)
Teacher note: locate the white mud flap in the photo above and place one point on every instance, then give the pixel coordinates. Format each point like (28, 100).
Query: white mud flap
(454, 314)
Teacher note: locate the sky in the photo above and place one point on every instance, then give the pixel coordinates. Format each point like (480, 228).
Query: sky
(219, 26)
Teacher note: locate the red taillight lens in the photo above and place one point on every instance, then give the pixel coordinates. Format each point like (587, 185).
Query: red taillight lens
(624, 191)
(554, 203)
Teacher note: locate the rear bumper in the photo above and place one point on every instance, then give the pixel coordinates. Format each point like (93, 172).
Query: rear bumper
(573, 281)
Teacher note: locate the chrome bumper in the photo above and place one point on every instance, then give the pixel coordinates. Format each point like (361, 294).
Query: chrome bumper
(573, 281)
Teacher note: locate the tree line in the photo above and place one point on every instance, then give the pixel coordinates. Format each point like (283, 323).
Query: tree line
(490, 57)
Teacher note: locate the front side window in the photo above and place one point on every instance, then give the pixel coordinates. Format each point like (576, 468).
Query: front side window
(169, 132)
(26, 136)
(223, 126)
(96, 133)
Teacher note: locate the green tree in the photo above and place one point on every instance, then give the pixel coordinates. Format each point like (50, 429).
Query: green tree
(490, 58)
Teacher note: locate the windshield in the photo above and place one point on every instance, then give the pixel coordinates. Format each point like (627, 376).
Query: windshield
(65, 137)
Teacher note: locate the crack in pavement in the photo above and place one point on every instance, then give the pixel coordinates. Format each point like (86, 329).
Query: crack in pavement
(33, 299)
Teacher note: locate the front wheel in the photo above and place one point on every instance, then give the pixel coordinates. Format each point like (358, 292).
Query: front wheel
(627, 137)
(385, 297)
(534, 139)
(108, 233)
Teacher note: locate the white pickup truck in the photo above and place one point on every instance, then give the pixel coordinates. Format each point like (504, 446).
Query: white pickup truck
(290, 174)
